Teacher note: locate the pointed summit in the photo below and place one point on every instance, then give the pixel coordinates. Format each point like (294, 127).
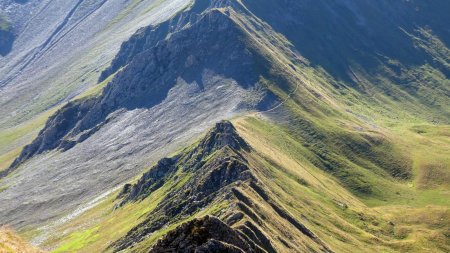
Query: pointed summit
(222, 135)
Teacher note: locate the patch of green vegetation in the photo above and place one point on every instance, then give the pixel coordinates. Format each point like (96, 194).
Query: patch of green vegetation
(111, 223)
(96, 90)
(78, 240)
(3, 187)
(330, 209)
(4, 23)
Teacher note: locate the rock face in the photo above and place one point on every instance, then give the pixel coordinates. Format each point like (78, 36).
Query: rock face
(207, 234)
(60, 48)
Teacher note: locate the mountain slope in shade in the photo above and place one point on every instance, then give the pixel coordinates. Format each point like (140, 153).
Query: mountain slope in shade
(6, 35)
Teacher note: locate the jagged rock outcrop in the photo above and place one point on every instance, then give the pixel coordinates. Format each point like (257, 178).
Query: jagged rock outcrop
(148, 37)
(207, 234)
(218, 170)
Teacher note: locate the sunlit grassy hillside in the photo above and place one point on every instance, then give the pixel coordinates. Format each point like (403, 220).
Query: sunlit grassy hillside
(401, 216)
(10, 242)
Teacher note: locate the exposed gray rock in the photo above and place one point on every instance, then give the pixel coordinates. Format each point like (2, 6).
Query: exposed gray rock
(61, 46)
(217, 170)
(147, 79)
(207, 235)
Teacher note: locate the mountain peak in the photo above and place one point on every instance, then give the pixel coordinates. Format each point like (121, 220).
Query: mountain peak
(207, 234)
(222, 135)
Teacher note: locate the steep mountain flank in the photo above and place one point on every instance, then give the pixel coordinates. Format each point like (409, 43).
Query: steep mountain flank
(147, 37)
(395, 48)
(256, 182)
(146, 81)
(76, 37)
(167, 95)
(339, 51)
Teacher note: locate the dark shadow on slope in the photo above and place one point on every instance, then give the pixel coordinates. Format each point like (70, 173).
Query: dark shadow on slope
(338, 35)
(21, 1)
(6, 42)
(6, 35)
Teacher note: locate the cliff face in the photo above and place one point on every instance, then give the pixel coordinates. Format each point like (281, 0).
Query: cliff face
(208, 234)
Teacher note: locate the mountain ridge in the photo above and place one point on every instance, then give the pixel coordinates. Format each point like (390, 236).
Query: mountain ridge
(338, 141)
(219, 168)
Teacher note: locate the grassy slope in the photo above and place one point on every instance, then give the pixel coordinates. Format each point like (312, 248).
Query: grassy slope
(343, 220)
(10, 242)
(12, 140)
